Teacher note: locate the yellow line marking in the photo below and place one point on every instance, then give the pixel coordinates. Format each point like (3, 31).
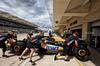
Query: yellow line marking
(78, 62)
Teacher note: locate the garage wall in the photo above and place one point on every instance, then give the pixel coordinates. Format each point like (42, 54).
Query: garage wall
(94, 14)
(94, 24)
(75, 28)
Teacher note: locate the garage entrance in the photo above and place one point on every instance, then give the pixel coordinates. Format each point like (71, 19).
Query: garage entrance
(95, 37)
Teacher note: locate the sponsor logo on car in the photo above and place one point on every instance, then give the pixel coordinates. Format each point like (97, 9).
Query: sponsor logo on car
(52, 47)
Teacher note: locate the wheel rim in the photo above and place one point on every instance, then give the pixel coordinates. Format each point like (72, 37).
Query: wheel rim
(82, 52)
(16, 48)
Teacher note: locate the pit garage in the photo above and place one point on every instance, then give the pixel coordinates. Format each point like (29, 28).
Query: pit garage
(95, 36)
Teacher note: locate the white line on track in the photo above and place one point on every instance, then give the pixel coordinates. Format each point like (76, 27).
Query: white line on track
(26, 60)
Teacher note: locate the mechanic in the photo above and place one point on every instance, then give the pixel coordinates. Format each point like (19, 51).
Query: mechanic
(50, 33)
(30, 34)
(3, 38)
(15, 37)
(62, 34)
(30, 45)
(67, 34)
(66, 47)
(11, 41)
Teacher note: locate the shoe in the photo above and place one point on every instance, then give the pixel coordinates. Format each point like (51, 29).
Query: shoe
(66, 60)
(20, 58)
(55, 58)
(31, 62)
(5, 56)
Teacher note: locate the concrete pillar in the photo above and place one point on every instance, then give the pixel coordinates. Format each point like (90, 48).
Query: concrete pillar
(61, 29)
(86, 31)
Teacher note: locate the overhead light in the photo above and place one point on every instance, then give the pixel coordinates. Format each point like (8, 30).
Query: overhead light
(56, 22)
(55, 26)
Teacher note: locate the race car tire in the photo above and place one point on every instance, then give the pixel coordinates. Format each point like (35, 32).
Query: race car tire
(18, 48)
(81, 53)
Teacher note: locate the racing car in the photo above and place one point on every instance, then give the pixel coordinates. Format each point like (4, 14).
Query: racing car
(55, 45)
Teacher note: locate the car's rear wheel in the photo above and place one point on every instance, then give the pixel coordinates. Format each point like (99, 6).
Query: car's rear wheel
(81, 53)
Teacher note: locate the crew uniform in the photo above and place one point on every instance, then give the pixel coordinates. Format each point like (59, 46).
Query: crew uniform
(15, 37)
(3, 38)
(50, 34)
(32, 40)
(66, 48)
(12, 38)
(29, 35)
